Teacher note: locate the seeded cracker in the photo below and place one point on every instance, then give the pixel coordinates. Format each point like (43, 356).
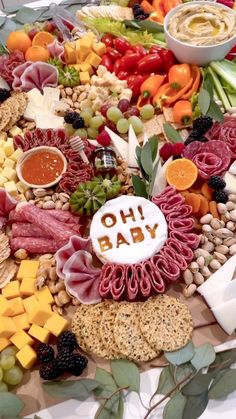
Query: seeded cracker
(91, 331)
(128, 335)
(8, 270)
(107, 328)
(22, 100)
(13, 105)
(4, 247)
(166, 323)
(77, 324)
(5, 117)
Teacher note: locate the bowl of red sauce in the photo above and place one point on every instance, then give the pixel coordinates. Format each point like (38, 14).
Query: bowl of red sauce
(41, 167)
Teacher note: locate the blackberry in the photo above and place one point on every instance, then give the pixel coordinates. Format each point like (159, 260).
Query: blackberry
(195, 137)
(45, 353)
(4, 94)
(50, 371)
(77, 364)
(78, 123)
(70, 117)
(63, 359)
(67, 340)
(202, 124)
(136, 6)
(142, 16)
(220, 196)
(217, 183)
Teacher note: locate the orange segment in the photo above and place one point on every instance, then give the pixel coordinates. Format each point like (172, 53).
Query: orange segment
(181, 173)
(42, 39)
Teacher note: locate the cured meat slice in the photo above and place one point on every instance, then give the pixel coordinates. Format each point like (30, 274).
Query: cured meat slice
(190, 239)
(181, 212)
(17, 74)
(8, 63)
(34, 244)
(49, 225)
(211, 158)
(169, 253)
(106, 277)
(153, 275)
(181, 224)
(225, 132)
(173, 202)
(168, 192)
(168, 269)
(7, 204)
(132, 286)
(143, 280)
(82, 279)
(118, 282)
(27, 230)
(75, 244)
(29, 75)
(180, 248)
(56, 50)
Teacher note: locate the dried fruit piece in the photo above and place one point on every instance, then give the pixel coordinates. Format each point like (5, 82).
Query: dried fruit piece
(206, 191)
(194, 201)
(213, 209)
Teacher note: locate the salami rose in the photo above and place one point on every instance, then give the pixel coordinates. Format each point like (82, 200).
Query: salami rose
(225, 132)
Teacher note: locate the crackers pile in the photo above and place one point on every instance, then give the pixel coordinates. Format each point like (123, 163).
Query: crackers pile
(136, 331)
(8, 267)
(11, 110)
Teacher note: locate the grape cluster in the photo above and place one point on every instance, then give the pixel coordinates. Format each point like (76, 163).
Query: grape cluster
(10, 373)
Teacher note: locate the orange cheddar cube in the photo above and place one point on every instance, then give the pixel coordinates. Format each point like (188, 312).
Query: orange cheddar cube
(16, 305)
(26, 356)
(11, 290)
(56, 324)
(20, 339)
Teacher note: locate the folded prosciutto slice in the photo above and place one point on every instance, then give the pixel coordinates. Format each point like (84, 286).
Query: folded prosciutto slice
(75, 244)
(7, 203)
(29, 75)
(82, 279)
(56, 50)
(164, 196)
(118, 282)
(168, 269)
(183, 225)
(152, 274)
(132, 285)
(189, 239)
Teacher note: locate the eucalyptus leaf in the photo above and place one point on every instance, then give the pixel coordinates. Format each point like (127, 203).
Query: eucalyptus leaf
(153, 141)
(133, 24)
(126, 374)
(150, 26)
(166, 381)
(80, 389)
(199, 384)
(154, 174)
(138, 152)
(107, 388)
(215, 112)
(195, 406)
(105, 378)
(9, 26)
(10, 404)
(146, 159)
(224, 385)
(172, 134)
(105, 413)
(175, 407)
(204, 101)
(181, 356)
(2, 20)
(139, 186)
(204, 356)
(208, 84)
(27, 15)
(181, 372)
(37, 417)
(228, 357)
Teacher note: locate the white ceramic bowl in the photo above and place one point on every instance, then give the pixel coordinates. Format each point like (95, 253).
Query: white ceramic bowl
(192, 54)
(29, 153)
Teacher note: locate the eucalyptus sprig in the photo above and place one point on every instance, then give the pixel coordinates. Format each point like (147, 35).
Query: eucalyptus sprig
(148, 164)
(206, 101)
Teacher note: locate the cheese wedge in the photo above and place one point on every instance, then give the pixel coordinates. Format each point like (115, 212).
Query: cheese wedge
(225, 315)
(132, 144)
(221, 294)
(120, 145)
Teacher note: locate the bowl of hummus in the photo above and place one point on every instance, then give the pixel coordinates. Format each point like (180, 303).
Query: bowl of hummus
(200, 31)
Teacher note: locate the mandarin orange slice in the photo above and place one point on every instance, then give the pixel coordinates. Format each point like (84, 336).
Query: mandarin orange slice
(181, 173)
(42, 39)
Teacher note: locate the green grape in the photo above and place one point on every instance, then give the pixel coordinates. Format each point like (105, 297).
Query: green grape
(81, 132)
(86, 115)
(11, 350)
(88, 110)
(96, 122)
(147, 112)
(123, 3)
(3, 387)
(136, 124)
(92, 133)
(7, 361)
(69, 129)
(122, 126)
(13, 376)
(114, 114)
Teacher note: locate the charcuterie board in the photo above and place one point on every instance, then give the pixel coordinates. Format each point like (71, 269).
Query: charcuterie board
(117, 197)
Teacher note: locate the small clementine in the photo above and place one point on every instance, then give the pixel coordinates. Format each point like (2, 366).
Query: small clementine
(43, 39)
(18, 40)
(181, 173)
(37, 53)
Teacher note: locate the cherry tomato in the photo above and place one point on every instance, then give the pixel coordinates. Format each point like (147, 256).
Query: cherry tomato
(108, 39)
(150, 63)
(122, 75)
(140, 50)
(113, 54)
(121, 45)
(117, 66)
(167, 58)
(129, 61)
(135, 83)
(106, 61)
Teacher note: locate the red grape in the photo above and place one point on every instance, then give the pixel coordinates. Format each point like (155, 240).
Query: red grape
(104, 138)
(131, 111)
(50, 27)
(111, 125)
(123, 105)
(32, 33)
(104, 109)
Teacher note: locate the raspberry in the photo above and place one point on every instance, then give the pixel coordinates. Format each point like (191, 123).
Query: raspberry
(104, 138)
(166, 151)
(177, 149)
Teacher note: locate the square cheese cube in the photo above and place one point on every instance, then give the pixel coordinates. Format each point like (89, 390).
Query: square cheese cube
(3, 180)
(84, 77)
(39, 333)
(11, 188)
(40, 314)
(56, 324)
(11, 290)
(28, 269)
(15, 130)
(93, 59)
(27, 286)
(26, 356)
(7, 327)
(2, 156)
(21, 321)
(5, 307)
(21, 187)
(9, 173)
(8, 147)
(9, 163)
(3, 136)
(16, 305)
(44, 296)
(20, 339)
(16, 155)
(99, 48)
(4, 343)
(30, 303)
(22, 197)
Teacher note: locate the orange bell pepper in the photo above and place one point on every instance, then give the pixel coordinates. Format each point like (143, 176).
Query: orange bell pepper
(156, 17)
(147, 7)
(156, 100)
(171, 96)
(170, 4)
(182, 112)
(179, 75)
(143, 101)
(151, 85)
(196, 74)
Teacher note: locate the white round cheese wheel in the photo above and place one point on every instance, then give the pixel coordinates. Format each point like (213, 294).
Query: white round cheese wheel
(128, 229)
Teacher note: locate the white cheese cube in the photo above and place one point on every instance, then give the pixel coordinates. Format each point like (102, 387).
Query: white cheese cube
(9, 173)
(3, 136)
(2, 180)
(1, 143)
(21, 187)
(11, 188)
(9, 163)
(15, 131)
(2, 156)
(8, 147)
(22, 197)
(16, 155)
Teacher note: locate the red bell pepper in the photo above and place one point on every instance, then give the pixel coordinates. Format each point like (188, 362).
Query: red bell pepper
(108, 39)
(113, 54)
(151, 63)
(121, 45)
(135, 83)
(106, 61)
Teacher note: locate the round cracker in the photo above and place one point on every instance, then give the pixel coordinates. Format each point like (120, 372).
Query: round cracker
(128, 335)
(166, 323)
(22, 100)
(107, 328)
(13, 105)
(5, 117)
(77, 324)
